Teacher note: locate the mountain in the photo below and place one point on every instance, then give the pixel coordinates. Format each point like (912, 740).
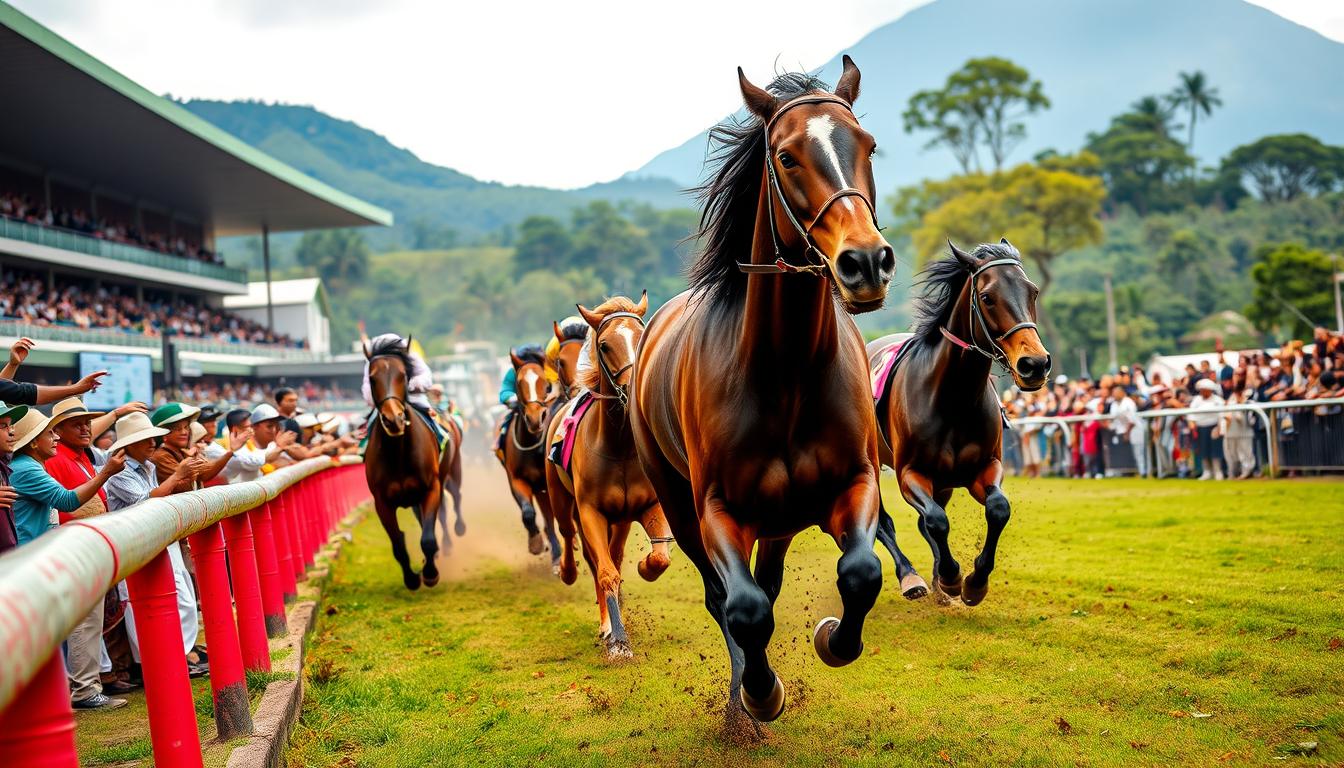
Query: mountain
(1094, 59)
(356, 160)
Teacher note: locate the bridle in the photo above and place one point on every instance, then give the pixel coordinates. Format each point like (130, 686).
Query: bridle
(613, 378)
(975, 315)
(378, 406)
(817, 265)
(513, 431)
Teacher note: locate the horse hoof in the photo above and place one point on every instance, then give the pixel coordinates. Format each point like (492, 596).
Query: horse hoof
(412, 581)
(569, 575)
(430, 579)
(821, 641)
(913, 587)
(972, 593)
(618, 650)
(767, 709)
(652, 566)
(951, 588)
(460, 528)
(535, 544)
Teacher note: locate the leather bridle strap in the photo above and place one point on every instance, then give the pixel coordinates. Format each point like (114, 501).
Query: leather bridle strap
(818, 264)
(975, 315)
(613, 378)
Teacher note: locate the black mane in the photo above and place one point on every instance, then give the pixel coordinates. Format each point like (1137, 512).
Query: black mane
(573, 330)
(530, 353)
(942, 281)
(730, 196)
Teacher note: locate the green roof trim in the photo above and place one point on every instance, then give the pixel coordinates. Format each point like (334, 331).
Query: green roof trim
(206, 131)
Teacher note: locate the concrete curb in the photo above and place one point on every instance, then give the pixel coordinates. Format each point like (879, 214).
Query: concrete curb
(281, 703)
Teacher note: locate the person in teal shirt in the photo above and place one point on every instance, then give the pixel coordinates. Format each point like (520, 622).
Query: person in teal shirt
(38, 493)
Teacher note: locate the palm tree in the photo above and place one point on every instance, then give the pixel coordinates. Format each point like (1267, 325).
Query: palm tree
(1195, 93)
(1151, 114)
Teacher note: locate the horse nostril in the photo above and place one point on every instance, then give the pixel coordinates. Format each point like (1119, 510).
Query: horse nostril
(1031, 367)
(848, 265)
(887, 264)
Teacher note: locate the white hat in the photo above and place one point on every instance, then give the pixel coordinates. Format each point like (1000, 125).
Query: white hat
(197, 432)
(264, 412)
(1062, 379)
(134, 427)
(71, 408)
(26, 429)
(1205, 384)
(306, 420)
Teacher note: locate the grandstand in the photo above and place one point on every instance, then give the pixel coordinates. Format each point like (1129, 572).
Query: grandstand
(112, 200)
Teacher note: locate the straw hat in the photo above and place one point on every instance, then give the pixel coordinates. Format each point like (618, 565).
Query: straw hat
(134, 427)
(306, 420)
(1205, 385)
(71, 408)
(197, 432)
(29, 427)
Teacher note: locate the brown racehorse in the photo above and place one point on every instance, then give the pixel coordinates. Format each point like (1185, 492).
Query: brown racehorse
(524, 451)
(570, 337)
(751, 409)
(606, 489)
(941, 424)
(402, 462)
(452, 483)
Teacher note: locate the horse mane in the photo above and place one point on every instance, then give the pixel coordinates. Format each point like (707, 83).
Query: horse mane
(591, 376)
(730, 196)
(531, 353)
(941, 283)
(573, 330)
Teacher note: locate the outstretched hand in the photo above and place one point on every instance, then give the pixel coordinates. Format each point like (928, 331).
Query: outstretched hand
(19, 351)
(91, 382)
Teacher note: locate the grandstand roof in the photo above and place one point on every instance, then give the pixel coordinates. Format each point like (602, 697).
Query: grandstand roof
(69, 114)
(283, 293)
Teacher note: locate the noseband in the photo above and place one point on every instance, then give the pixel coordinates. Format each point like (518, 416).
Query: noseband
(378, 406)
(816, 260)
(613, 378)
(975, 315)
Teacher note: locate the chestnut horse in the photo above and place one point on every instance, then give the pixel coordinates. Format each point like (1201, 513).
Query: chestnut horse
(940, 419)
(751, 408)
(606, 490)
(524, 454)
(402, 461)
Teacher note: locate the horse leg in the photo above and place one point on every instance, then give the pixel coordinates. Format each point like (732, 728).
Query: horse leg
(659, 533)
(617, 535)
(770, 565)
(853, 525)
(987, 491)
(454, 485)
(388, 517)
(429, 541)
(913, 586)
(522, 495)
(548, 516)
(918, 493)
(747, 611)
(606, 579)
(446, 544)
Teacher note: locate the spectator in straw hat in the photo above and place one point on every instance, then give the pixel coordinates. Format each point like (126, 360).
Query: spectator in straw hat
(138, 482)
(9, 537)
(176, 446)
(39, 495)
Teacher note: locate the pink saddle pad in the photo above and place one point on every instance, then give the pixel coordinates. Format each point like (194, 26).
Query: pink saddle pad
(886, 364)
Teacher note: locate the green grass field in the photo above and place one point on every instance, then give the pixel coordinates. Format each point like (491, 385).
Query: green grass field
(1129, 623)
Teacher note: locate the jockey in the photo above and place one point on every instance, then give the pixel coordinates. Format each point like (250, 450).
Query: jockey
(419, 380)
(552, 369)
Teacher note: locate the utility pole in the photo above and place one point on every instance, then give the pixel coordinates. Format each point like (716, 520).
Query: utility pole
(266, 261)
(1339, 306)
(1110, 326)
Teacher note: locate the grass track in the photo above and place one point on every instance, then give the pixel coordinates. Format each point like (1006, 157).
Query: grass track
(1119, 610)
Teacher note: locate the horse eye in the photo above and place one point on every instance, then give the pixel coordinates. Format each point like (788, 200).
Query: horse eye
(986, 299)
(786, 160)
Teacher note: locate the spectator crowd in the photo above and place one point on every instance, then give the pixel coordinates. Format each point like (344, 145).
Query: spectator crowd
(21, 207)
(29, 299)
(1110, 438)
(70, 463)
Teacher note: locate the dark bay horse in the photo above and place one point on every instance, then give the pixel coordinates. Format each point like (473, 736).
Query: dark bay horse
(402, 461)
(524, 454)
(751, 408)
(939, 415)
(606, 490)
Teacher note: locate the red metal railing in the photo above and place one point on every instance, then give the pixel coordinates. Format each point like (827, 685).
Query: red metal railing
(271, 530)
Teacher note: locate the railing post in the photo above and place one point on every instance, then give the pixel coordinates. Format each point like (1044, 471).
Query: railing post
(172, 714)
(286, 500)
(268, 570)
(247, 593)
(289, 588)
(305, 512)
(227, 683)
(38, 729)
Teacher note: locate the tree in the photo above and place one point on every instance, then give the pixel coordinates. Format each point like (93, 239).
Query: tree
(543, 243)
(428, 236)
(612, 246)
(1141, 166)
(339, 256)
(1285, 166)
(983, 102)
(1150, 113)
(1289, 279)
(1194, 93)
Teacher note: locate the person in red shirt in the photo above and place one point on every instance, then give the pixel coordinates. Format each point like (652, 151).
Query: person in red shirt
(75, 462)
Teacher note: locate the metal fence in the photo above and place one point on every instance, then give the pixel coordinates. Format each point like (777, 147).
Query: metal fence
(112, 337)
(1268, 438)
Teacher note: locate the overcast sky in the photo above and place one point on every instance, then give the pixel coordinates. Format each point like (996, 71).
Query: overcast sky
(559, 94)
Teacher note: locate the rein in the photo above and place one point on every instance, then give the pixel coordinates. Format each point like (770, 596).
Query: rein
(612, 378)
(975, 314)
(513, 433)
(819, 265)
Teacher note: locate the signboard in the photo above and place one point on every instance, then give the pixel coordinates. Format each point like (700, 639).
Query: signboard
(189, 368)
(129, 377)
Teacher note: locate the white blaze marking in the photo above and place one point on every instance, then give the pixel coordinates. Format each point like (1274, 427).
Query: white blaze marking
(819, 129)
(628, 334)
(530, 379)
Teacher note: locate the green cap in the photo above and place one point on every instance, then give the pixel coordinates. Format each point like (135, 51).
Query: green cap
(14, 412)
(173, 412)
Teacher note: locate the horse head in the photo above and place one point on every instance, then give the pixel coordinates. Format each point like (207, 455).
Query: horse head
(618, 325)
(530, 387)
(570, 336)
(819, 178)
(387, 385)
(1003, 311)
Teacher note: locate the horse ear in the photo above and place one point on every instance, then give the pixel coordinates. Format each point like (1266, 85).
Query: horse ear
(848, 87)
(515, 359)
(643, 305)
(555, 326)
(758, 100)
(1004, 241)
(965, 258)
(590, 317)
(368, 355)
(408, 342)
